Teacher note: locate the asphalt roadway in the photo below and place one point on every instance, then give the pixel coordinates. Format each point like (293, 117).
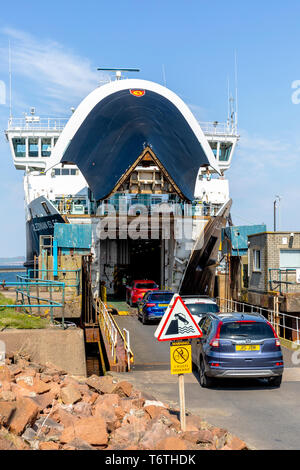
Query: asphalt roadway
(263, 416)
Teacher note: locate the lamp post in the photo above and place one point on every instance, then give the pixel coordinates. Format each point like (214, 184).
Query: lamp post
(276, 204)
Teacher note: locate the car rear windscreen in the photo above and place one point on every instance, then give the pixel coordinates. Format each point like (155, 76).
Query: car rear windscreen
(199, 309)
(250, 330)
(162, 297)
(146, 285)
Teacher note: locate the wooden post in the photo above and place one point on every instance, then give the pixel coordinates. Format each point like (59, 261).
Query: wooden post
(182, 401)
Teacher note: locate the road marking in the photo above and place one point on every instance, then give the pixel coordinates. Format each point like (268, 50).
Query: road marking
(123, 312)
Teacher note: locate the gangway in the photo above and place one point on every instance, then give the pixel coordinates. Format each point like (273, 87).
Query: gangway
(100, 327)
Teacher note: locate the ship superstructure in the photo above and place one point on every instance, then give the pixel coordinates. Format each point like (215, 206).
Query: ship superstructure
(62, 179)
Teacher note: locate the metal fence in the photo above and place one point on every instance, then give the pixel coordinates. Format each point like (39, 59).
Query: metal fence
(64, 274)
(285, 325)
(29, 298)
(283, 280)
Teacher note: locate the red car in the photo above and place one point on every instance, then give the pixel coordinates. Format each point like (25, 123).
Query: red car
(137, 289)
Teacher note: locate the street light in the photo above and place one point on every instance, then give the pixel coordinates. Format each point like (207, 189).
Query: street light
(276, 204)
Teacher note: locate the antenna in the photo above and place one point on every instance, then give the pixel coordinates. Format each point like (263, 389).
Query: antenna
(9, 71)
(236, 90)
(228, 98)
(118, 71)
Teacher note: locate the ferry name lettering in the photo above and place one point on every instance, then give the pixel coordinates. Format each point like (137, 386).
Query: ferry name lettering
(37, 226)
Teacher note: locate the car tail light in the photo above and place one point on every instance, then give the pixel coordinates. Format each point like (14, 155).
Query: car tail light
(215, 342)
(279, 363)
(150, 305)
(215, 364)
(277, 342)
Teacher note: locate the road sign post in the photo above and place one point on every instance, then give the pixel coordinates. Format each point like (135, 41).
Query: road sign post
(178, 326)
(182, 401)
(181, 363)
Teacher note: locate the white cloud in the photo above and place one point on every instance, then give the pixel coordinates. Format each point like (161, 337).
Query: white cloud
(58, 77)
(262, 168)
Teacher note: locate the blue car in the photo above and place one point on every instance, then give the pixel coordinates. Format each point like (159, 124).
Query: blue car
(153, 305)
(237, 345)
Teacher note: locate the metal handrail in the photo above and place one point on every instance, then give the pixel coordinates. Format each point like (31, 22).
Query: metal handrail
(219, 128)
(22, 287)
(37, 123)
(278, 320)
(127, 348)
(279, 281)
(108, 327)
(77, 272)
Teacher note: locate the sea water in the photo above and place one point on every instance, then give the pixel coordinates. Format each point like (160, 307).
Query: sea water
(10, 276)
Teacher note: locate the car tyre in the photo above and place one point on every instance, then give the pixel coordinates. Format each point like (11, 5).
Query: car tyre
(205, 381)
(144, 319)
(275, 381)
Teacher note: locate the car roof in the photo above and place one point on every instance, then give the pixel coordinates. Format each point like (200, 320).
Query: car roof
(195, 296)
(204, 299)
(161, 292)
(238, 316)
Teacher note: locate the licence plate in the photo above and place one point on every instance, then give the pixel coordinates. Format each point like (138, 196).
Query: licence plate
(163, 305)
(248, 347)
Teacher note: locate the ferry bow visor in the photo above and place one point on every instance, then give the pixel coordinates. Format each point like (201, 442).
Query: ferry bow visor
(120, 127)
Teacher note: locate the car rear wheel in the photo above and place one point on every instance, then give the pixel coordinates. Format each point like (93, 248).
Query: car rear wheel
(205, 381)
(275, 381)
(144, 319)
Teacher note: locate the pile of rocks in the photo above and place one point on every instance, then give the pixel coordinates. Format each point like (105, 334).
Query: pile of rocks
(42, 407)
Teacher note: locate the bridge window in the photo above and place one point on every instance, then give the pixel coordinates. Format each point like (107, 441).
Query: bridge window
(66, 171)
(224, 152)
(19, 147)
(33, 147)
(46, 147)
(214, 147)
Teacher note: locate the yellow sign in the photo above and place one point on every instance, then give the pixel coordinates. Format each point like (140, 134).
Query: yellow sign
(181, 357)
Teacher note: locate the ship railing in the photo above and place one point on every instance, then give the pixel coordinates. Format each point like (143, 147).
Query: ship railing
(198, 207)
(29, 298)
(56, 123)
(285, 325)
(37, 123)
(219, 128)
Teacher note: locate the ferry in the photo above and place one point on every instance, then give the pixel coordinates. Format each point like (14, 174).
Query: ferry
(134, 146)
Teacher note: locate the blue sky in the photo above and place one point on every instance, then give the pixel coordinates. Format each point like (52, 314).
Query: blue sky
(57, 46)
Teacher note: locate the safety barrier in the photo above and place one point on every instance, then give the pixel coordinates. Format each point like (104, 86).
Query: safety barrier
(59, 273)
(24, 286)
(283, 279)
(281, 322)
(112, 333)
(108, 327)
(129, 353)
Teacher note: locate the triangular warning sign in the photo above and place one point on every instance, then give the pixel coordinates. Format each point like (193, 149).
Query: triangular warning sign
(177, 322)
